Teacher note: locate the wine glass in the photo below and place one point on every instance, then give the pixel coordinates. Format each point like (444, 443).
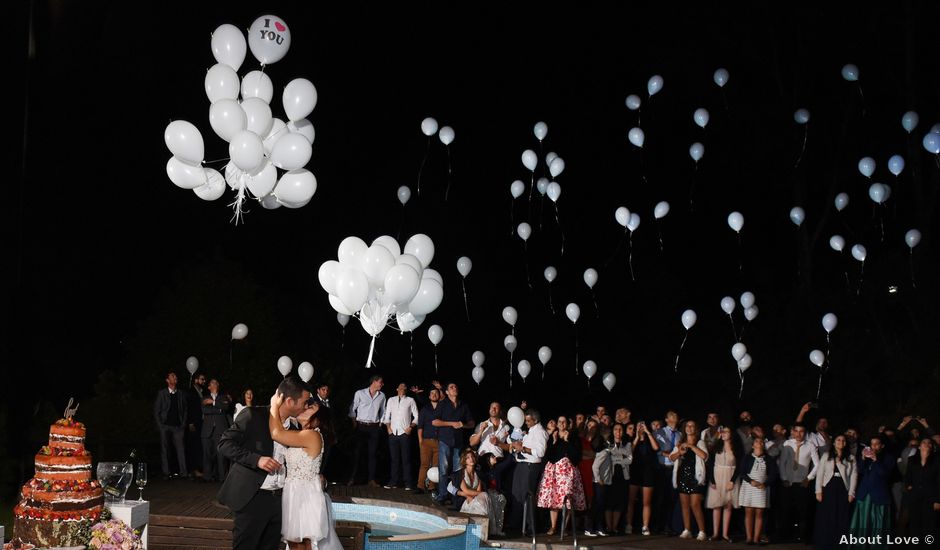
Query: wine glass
(141, 479)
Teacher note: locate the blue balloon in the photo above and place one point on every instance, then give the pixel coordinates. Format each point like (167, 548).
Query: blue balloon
(850, 72)
(909, 121)
(896, 165)
(932, 142)
(696, 151)
(801, 116)
(866, 166)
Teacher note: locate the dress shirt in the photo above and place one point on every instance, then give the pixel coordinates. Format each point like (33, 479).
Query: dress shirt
(367, 408)
(276, 480)
(453, 437)
(400, 413)
(796, 469)
(667, 438)
(485, 430)
(425, 421)
(821, 442)
(537, 442)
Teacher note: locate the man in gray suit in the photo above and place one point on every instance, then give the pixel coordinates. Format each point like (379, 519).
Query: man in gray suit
(169, 410)
(216, 418)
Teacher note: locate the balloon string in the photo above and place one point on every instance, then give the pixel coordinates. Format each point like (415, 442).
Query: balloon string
(551, 304)
(449, 174)
(681, 347)
(435, 359)
(510, 369)
(913, 283)
(411, 348)
(525, 260)
(692, 189)
(216, 161)
(561, 229)
(861, 278)
(342, 339)
(238, 216)
(734, 331)
(803, 150)
(630, 257)
(531, 188)
(659, 231)
(369, 362)
(597, 311)
(828, 346)
(819, 385)
(512, 216)
(576, 350)
(427, 151)
(743, 330)
(466, 305)
(541, 211)
(740, 254)
(741, 391)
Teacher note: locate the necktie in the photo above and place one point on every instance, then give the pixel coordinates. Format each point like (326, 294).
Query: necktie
(796, 461)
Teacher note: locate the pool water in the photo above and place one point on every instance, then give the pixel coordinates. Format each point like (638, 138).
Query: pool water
(387, 530)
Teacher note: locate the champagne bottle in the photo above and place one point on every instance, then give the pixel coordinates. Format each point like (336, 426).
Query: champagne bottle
(113, 489)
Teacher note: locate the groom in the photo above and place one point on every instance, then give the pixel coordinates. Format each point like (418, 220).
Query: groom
(253, 487)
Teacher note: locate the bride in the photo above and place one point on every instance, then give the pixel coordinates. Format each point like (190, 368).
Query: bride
(307, 517)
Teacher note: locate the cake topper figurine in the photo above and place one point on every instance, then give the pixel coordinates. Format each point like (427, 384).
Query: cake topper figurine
(69, 411)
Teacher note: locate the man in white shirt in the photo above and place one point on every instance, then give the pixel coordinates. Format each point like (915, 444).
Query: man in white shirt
(400, 419)
(366, 412)
(492, 433)
(529, 466)
(797, 463)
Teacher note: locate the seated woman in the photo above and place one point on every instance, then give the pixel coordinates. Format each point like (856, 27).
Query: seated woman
(477, 499)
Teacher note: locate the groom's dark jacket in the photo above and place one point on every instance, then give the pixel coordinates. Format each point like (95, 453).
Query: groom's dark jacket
(244, 444)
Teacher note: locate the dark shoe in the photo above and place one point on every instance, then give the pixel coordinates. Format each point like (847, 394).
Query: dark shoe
(417, 491)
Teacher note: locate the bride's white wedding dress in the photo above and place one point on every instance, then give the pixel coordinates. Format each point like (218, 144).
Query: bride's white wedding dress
(307, 512)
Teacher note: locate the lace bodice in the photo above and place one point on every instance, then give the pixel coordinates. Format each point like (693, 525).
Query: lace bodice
(301, 466)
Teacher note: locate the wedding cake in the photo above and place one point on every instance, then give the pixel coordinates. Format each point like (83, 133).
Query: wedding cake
(60, 504)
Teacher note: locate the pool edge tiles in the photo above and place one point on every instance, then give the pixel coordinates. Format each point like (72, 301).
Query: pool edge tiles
(388, 515)
(438, 531)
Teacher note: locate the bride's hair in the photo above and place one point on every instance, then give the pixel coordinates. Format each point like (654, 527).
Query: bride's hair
(325, 424)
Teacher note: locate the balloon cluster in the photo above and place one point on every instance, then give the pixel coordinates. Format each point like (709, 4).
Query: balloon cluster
(383, 281)
(260, 144)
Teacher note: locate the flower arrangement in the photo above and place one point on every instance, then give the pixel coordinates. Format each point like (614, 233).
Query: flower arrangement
(114, 534)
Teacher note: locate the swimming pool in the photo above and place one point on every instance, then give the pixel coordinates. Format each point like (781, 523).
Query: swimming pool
(396, 526)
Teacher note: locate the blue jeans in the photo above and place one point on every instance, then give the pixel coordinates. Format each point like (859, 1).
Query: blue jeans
(448, 460)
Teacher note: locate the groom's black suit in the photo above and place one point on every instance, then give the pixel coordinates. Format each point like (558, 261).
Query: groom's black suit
(257, 511)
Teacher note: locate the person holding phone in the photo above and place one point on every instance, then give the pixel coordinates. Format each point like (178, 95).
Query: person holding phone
(872, 516)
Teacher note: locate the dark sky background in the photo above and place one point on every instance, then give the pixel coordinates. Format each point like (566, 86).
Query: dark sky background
(114, 269)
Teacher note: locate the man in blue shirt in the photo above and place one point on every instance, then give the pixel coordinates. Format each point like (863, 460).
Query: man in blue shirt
(665, 494)
(454, 419)
(366, 412)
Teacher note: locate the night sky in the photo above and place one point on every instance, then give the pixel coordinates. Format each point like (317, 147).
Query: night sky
(113, 268)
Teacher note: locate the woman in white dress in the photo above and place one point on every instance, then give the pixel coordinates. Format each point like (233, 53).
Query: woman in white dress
(306, 517)
(477, 498)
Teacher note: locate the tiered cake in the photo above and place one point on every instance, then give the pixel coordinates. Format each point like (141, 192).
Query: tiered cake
(58, 507)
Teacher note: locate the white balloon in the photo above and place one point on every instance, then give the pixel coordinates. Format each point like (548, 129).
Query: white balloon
(246, 151)
(351, 251)
(477, 373)
(932, 142)
(296, 188)
(801, 116)
(634, 222)
(305, 371)
(257, 84)
(545, 355)
(510, 343)
(221, 83)
(609, 380)
(389, 243)
(303, 127)
(866, 166)
(401, 284)
(404, 195)
(550, 273)
(376, 263)
(516, 417)
(554, 190)
(407, 321)
(841, 201)
(829, 322)
(542, 186)
(738, 351)
(837, 243)
(414, 263)
(270, 202)
(434, 474)
(912, 238)
(446, 135)
(590, 277)
(529, 159)
(877, 193)
(859, 252)
(622, 215)
(184, 174)
(269, 39)
(434, 275)
(696, 151)
(263, 180)
(654, 85)
(727, 304)
(214, 187)
(435, 334)
(850, 72)
(751, 313)
(747, 299)
(633, 102)
(299, 99)
(229, 46)
(291, 152)
(258, 116)
(524, 369)
(429, 126)
(285, 365)
(524, 230)
(797, 216)
(701, 116)
(338, 306)
(896, 164)
(556, 167)
(589, 368)
(516, 189)
(660, 210)
(817, 357)
(227, 118)
(510, 315)
(430, 294)
(464, 265)
(422, 247)
(184, 141)
(478, 358)
(239, 331)
(342, 319)
(549, 157)
(909, 121)
(573, 312)
(192, 364)
(736, 221)
(540, 130)
(744, 363)
(721, 77)
(689, 318)
(352, 288)
(278, 129)
(636, 137)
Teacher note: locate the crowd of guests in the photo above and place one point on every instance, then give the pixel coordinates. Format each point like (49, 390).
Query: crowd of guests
(613, 474)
